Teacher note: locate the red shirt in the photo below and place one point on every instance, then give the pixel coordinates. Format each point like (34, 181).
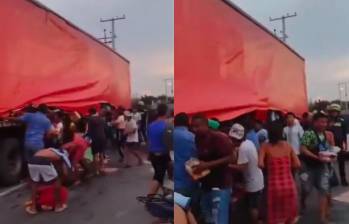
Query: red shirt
(215, 145)
(76, 148)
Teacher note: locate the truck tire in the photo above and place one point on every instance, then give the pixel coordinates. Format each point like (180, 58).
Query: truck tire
(11, 161)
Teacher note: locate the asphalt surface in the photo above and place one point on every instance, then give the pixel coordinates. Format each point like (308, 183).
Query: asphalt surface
(339, 211)
(112, 199)
(103, 200)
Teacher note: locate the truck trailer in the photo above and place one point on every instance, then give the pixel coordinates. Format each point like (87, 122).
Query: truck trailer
(227, 64)
(47, 59)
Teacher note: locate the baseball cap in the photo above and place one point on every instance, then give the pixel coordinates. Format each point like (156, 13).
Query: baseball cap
(213, 124)
(237, 131)
(334, 107)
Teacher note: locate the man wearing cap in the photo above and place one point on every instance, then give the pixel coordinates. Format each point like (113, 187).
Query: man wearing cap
(247, 163)
(131, 135)
(215, 152)
(339, 129)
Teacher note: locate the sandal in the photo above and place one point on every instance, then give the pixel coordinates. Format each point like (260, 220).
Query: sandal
(31, 211)
(28, 203)
(46, 208)
(61, 208)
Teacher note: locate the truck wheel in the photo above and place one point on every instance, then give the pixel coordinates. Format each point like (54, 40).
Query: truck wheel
(10, 161)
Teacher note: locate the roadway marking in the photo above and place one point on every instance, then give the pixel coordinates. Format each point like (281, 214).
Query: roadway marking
(10, 190)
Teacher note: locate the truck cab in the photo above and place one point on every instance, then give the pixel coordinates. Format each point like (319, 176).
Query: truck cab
(11, 151)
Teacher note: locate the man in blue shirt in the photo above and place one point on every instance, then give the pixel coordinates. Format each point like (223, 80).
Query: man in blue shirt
(37, 127)
(253, 137)
(158, 152)
(184, 150)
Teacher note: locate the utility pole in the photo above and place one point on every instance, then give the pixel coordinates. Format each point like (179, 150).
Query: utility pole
(343, 93)
(283, 20)
(113, 30)
(106, 40)
(168, 84)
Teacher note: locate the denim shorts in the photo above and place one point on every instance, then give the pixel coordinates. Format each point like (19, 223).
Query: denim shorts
(215, 205)
(318, 177)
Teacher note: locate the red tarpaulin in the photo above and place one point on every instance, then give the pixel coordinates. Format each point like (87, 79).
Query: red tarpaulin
(226, 64)
(45, 59)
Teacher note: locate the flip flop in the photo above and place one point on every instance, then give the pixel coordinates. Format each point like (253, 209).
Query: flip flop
(61, 209)
(31, 211)
(46, 208)
(28, 203)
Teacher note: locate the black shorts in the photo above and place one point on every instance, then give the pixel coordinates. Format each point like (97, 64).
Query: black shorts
(98, 146)
(160, 164)
(254, 199)
(132, 145)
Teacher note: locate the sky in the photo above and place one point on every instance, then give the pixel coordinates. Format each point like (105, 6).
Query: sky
(146, 37)
(319, 33)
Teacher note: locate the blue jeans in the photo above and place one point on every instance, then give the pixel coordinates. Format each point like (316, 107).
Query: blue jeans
(215, 206)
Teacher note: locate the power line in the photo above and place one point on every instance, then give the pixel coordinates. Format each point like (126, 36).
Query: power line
(283, 20)
(113, 29)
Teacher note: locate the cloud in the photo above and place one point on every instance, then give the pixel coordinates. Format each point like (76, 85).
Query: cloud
(324, 75)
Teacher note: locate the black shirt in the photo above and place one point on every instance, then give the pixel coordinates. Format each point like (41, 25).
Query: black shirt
(338, 127)
(96, 128)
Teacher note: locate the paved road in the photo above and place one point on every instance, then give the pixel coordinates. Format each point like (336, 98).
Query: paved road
(340, 209)
(104, 200)
(111, 199)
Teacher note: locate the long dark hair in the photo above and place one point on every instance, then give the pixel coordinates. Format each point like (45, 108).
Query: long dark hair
(68, 133)
(275, 132)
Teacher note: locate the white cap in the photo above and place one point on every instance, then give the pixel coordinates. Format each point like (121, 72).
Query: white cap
(237, 131)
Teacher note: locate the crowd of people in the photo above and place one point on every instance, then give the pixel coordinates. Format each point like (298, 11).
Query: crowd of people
(63, 148)
(269, 166)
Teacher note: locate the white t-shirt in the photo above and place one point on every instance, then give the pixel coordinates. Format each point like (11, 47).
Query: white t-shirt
(131, 125)
(137, 116)
(253, 175)
(120, 122)
(293, 135)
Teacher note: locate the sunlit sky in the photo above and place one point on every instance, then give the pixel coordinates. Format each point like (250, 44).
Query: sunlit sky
(145, 38)
(319, 33)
